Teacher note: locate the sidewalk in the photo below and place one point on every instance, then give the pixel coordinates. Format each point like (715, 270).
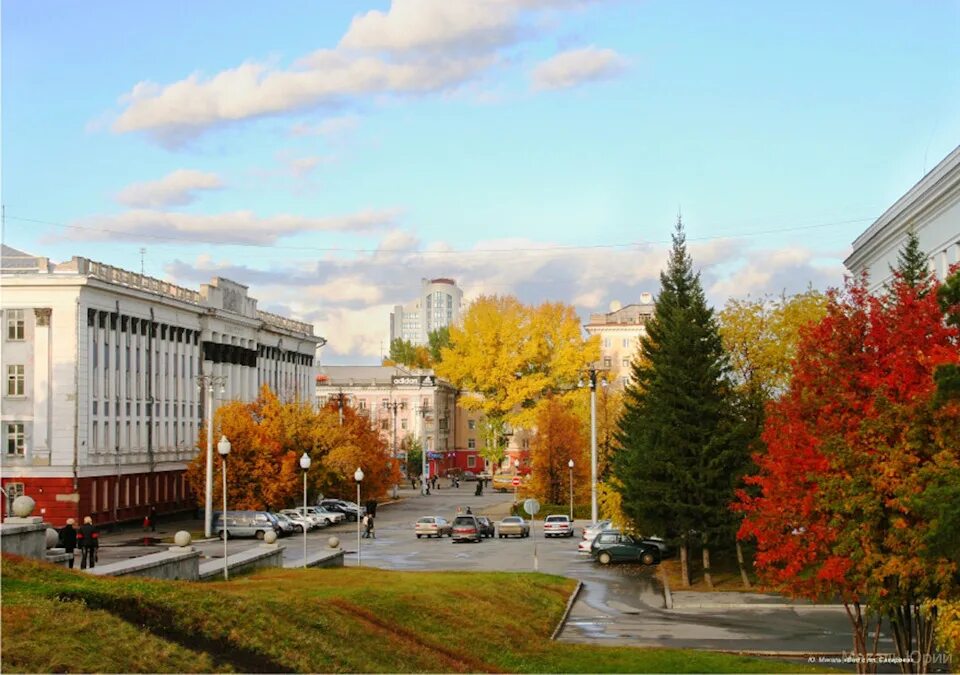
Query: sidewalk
(740, 600)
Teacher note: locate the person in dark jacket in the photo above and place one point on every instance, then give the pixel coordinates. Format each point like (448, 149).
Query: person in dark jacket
(89, 540)
(68, 538)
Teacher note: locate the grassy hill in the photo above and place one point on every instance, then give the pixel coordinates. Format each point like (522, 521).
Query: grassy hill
(337, 620)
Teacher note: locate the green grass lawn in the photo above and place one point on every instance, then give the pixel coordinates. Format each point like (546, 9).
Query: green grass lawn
(324, 620)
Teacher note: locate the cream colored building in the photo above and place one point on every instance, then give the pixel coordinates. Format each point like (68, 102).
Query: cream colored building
(931, 208)
(620, 330)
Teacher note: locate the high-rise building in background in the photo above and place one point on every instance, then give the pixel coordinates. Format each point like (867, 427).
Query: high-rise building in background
(620, 330)
(438, 305)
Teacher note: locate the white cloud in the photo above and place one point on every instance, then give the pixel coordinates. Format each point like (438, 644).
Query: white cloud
(178, 112)
(577, 66)
(174, 189)
(238, 227)
(433, 25)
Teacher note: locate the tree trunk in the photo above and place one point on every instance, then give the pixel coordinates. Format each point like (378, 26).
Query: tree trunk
(743, 568)
(708, 579)
(684, 565)
(913, 636)
(860, 630)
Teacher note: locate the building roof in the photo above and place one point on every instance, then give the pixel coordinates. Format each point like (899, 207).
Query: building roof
(939, 179)
(333, 376)
(14, 261)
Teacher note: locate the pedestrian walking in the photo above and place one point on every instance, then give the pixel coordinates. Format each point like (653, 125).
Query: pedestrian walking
(371, 533)
(89, 540)
(153, 518)
(68, 537)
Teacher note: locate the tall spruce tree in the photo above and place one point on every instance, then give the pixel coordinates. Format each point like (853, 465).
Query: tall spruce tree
(681, 443)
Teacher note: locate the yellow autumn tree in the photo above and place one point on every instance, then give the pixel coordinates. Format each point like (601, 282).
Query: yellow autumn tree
(507, 357)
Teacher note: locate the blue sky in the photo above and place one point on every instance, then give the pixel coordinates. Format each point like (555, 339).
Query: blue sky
(329, 155)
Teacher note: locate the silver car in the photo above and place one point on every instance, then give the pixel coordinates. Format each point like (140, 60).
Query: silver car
(513, 526)
(299, 520)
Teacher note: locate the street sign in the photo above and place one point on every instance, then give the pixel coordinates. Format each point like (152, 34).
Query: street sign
(531, 506)
(516, 481)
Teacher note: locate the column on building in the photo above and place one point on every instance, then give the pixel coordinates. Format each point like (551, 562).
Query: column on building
(38, 452)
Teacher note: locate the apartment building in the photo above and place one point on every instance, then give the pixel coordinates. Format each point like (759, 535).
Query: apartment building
(620, 330)
(438, 305)
(101, 407)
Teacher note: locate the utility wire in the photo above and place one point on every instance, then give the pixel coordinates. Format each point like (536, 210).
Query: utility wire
(460, 252)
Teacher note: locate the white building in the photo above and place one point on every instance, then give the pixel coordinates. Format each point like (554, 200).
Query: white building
(620, 331)
(437, 306)
(101, 407)
(932, 209)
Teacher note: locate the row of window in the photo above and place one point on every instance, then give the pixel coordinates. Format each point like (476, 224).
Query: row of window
(166, 487)
(625, 342)
(608, 362)
(133, 436)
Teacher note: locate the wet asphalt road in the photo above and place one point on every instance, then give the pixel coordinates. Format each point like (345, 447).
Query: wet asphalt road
(619, 604)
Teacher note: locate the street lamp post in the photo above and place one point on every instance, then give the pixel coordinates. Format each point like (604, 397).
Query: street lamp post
(592, 373)
(395, 405)
(223, 447)
(209, 382)
(424, 410)
(305, 465)
(358, 476)
(516, 488)
(570, 466)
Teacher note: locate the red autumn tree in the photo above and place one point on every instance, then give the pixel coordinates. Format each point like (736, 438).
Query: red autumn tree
(849, 448)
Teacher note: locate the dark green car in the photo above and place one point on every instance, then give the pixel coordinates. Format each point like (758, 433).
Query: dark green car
(614, 546)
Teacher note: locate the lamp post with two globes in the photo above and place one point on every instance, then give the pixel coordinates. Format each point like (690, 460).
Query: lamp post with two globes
(223, 447)
(570, 466)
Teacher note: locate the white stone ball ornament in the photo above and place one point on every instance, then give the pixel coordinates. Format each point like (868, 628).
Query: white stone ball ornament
(53, 537)
(270, 537)
(182, 538)
(333, 542)
(23, 506)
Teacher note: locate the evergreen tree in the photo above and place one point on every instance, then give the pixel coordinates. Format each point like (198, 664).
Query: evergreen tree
(681, 444)
(912, 264)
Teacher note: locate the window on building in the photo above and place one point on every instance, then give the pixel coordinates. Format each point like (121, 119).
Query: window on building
(606, 342)
(471, 424)
(385, 425)
(16, 379)
(95, 437)
(471, 443)
(361, 404)
(471, 461)
(16, 439)
(625, 363)
(14, 324)
(626, 342)
(93, 496)
(607, 362)
(403, 424)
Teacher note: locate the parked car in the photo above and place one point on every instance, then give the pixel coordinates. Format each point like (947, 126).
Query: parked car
(589, 534)
(513, 526)
(466, 528)
(245, 524)
(350, 510)
(486, 526)
(287, 527)
(558, 526)
(468, 476)
(300, 521)
(615, 546)
(326, 516)
(433, 526)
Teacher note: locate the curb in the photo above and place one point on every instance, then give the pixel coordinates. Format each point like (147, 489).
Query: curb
(755, 605)
(566, 612)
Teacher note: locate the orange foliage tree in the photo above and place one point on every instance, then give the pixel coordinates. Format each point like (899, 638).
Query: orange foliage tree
(559, 438)
(344, 447)
(267, 438)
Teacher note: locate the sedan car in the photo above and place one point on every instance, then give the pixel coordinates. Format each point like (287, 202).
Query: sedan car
(348, 509)
(590, 533)
(287, 526)
(486, 526)
(299, 521)
(513, 526)
(433, 526)
(326, 516)
(558, 526)
(614, 546)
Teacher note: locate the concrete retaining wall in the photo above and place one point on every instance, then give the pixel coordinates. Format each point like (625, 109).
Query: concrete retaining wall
(264, 555)
(27, 537)
(331, 558)
(175, 564)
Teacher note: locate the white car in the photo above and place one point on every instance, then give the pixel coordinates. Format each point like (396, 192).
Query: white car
(299, 520)
(558, 526)
(331, 517)
(590, 533)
